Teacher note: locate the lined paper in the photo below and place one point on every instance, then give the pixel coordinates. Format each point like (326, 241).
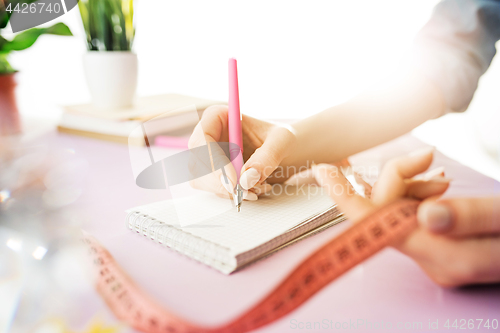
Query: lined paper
(258, 222)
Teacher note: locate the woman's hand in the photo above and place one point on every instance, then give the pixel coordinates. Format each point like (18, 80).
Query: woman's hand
(458, 240)
(265, 145)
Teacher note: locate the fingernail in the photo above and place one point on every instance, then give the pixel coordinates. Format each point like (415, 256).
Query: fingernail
(434, 173)
(228, 186)
(305, 177)
(435, 217)
(249, 178)
(248, 195)
(422, 152)
(322, 172)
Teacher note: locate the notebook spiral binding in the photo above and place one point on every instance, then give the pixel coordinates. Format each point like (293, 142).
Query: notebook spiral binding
(181, 241)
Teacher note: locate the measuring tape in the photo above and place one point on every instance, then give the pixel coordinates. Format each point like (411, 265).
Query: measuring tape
(362, 240)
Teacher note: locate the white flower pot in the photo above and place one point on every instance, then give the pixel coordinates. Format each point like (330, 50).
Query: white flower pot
(111, 78)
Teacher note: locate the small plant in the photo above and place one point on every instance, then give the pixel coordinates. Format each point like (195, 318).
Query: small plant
(109, 24)
(24, 39)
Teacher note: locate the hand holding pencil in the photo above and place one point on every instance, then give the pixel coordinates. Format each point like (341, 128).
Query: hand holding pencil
(264, 146)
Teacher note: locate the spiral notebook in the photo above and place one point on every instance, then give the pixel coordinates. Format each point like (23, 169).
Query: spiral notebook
(232, 240)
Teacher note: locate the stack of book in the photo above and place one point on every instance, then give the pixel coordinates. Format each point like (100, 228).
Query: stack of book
(161, 114)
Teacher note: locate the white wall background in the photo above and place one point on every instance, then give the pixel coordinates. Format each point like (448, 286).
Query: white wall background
(295, 58)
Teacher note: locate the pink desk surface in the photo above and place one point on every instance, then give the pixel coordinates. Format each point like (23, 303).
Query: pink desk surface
(388, 288)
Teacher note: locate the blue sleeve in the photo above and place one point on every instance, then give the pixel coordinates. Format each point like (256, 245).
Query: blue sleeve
(457, 45)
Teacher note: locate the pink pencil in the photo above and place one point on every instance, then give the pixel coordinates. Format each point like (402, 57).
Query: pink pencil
(234, 124)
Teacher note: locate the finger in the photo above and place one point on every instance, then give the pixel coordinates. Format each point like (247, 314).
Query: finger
(361, 187)
(391, 183)
(434, 173)
(212, 131)
(305, 177)
(479, 258)
(210, 183)
(367, 187)
(421, 189)
(249, 195)
(343, 163)
(220, 162)
(267, 158)
(261, 189)
(211, 159)
(223, 196)
(461, 216)
(342, 192)
(213, 125)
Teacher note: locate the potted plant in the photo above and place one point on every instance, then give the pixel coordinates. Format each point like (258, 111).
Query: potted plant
(110, 65)
(9, 114)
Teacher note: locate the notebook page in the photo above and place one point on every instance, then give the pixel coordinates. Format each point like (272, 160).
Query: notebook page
(258, 222)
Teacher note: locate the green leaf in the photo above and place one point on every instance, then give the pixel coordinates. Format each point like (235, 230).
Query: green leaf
(5, 67)
(128, 13)
(59, 29)
(4, 15)
(27, 38)
(108, 24)
(83, 7)
(3, 41)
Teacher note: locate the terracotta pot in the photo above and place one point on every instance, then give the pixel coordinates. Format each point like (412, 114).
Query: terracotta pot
(9, 114)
